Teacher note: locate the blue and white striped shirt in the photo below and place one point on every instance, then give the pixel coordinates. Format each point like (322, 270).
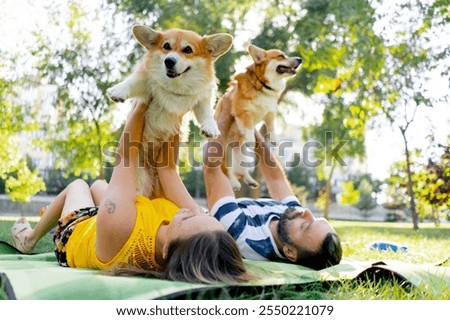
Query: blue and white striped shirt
(247, 220)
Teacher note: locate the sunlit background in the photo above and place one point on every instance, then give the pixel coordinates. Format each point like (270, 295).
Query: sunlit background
(41, 39)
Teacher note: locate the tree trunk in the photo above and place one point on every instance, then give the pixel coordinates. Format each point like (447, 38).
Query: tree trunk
(435, 215)
(326, 208)
(412, 202)
(101, 173)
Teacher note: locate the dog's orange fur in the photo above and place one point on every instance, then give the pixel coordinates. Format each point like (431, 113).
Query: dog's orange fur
(252, 98)
(188, 84)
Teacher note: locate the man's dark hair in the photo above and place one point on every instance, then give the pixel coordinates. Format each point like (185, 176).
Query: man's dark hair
(329, 253)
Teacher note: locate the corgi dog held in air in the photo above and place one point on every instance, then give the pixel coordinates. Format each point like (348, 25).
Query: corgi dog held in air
(175, 76)
(253, 96)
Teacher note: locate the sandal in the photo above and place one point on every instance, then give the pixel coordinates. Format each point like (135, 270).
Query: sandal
(19, 227)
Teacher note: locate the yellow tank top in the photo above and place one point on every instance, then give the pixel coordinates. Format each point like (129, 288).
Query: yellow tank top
(139, 250)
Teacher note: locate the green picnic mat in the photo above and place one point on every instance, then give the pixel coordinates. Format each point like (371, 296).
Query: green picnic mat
(39, 276)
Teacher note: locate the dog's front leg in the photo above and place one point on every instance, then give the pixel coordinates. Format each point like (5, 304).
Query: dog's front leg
(269, 121)
(121, 91)
(206, 120)
(132, 87)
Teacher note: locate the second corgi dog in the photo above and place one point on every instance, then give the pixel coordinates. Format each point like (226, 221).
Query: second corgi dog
(253, 96)
(175, 76)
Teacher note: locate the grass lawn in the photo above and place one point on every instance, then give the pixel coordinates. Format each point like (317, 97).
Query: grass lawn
(425, 246)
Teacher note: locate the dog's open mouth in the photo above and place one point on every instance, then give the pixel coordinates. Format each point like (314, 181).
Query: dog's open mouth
(171, 73)
(286, 69)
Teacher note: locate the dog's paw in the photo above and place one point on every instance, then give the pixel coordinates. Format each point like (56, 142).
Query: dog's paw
(251, 183)
(210, 129)
(235, 184)
(116, 94)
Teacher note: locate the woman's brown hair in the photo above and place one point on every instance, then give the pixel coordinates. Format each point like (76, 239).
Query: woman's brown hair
(208, 257)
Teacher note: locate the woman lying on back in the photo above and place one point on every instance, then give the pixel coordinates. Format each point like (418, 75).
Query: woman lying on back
(111, 227)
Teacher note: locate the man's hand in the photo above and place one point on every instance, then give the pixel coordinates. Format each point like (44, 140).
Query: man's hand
(197, 210)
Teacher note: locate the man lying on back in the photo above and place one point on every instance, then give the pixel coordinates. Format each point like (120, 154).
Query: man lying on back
(277, 228)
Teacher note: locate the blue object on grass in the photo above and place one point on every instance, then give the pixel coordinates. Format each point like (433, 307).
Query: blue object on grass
(386, 245)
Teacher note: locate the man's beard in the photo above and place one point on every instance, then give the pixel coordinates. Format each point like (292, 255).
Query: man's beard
(282, 227)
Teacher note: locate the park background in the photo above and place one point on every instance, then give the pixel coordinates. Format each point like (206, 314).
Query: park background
(375, 75)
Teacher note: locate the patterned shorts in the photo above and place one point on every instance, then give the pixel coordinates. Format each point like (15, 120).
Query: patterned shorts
(65, 227)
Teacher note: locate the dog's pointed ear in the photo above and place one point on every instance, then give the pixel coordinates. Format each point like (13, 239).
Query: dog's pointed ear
(145, 35)
(218, 44)
(256, 53)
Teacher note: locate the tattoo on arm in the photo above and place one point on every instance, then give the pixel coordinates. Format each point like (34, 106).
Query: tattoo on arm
(110, 206)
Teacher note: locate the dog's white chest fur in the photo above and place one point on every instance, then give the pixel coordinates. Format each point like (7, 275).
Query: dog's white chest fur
(165, 113)
(264, 104)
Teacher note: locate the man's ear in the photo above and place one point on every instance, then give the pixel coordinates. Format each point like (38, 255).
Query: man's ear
(256, 53)
(218, 44)
(290, 252)
(145, 35)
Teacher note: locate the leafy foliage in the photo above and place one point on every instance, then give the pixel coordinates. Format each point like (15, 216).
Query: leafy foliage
(26, 184)
(81, 70)
(301, 176)
(366, 200)
(432, 187)
(20, 182)
(431, 182)
(349, 195)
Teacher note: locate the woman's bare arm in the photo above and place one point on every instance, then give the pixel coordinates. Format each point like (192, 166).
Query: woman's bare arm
(169, 178)
(117, 211)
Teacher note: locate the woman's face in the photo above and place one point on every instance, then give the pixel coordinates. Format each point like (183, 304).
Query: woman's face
(187, 223)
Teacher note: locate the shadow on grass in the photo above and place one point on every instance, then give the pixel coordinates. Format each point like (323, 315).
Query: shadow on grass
(310, 291)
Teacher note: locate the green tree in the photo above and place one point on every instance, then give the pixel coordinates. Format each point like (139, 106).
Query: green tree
(430, 180)
(81, 68)
(374, 183)
(410, 56)
(349, 195)
(335, 144)
(20, 182)
(366, 199)
(24, 184)
(12, 122)
(432, 185)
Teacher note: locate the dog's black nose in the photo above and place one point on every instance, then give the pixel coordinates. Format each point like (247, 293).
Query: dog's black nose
(299, 60)
(170, 62)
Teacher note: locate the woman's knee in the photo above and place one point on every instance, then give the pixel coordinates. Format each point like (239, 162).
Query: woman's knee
(78, 186)
(78, 183)
(98, 191)
(99, 184)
